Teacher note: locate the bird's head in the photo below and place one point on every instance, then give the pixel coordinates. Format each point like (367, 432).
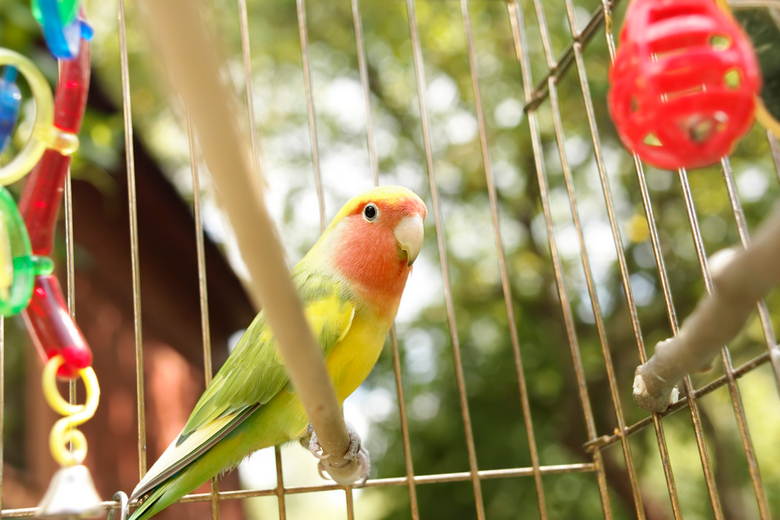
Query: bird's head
(376, 237)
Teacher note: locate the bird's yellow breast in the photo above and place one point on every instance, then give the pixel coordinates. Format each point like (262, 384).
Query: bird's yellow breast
(355, 355)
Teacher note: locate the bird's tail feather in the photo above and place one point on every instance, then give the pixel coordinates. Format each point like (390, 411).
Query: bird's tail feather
(154, 503)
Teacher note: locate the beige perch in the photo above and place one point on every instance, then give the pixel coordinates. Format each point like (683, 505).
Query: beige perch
(739, 282)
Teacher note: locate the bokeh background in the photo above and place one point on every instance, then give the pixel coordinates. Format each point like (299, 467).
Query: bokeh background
(173, 360)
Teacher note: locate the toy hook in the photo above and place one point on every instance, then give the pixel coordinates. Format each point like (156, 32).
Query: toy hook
(124, 506)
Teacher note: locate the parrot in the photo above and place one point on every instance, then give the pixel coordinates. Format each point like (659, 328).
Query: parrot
(350, 284)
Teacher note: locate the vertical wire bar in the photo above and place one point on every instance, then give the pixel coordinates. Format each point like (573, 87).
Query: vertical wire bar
(744, 238)
(464, 407)
(246, 54)
(545, 35)
(70, 268)
(736, 399)
(775, 148)
(69, 264)
(202, 288)
(247, 58)
(280, 483)
(133, 210)
(315, 156)
(304, 37)
(507, 290)
(709, 477)
(350, 502)
(71, 273)
(594, 299)
(404, 426)
(623, 264)
(592, 291)
(363, 66)
(521, 49)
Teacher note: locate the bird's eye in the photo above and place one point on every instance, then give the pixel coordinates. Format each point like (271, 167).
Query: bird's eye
(370, 212)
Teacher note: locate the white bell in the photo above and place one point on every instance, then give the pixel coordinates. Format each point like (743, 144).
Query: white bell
(71, 494)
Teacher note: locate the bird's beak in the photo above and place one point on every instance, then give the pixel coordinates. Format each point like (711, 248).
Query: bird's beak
(409, 235)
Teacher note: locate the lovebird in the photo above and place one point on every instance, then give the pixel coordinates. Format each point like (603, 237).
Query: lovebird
(350, 284)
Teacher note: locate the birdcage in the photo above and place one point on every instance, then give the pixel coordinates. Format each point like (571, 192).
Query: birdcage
(547, 274)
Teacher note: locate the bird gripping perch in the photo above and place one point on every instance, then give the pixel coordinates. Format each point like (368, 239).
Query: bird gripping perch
(179, 34)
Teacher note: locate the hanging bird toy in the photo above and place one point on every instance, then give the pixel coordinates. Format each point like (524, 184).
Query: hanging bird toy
(27, 284)
(683, 84)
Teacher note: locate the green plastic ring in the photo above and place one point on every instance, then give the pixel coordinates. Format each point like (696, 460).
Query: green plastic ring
(17, 264)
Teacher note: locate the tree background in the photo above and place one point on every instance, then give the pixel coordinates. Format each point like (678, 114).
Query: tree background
(436, 427)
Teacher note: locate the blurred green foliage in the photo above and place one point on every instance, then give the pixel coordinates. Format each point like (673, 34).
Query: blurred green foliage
(432, 401)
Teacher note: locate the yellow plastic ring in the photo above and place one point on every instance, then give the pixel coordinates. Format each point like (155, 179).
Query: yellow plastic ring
(79, 413)
(64, 431)
(61, 435)
(32, 150)
(50, 391)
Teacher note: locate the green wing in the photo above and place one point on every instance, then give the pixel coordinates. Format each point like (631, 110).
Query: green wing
(252, 375)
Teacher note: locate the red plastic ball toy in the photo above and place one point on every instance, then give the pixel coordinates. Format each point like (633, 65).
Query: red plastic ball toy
(684, 82)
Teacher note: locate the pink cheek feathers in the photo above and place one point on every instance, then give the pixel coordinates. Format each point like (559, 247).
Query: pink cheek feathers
(368, 256)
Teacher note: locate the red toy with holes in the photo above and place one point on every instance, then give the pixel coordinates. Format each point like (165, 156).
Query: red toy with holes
(683, 84)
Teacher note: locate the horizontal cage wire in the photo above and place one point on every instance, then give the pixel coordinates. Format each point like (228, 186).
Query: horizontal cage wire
(558, 258)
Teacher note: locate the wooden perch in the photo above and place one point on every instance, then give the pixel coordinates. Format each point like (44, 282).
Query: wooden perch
(738, 284)
(197, 73)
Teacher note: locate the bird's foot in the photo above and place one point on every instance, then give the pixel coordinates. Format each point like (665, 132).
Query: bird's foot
(340, 472)
(314, 444)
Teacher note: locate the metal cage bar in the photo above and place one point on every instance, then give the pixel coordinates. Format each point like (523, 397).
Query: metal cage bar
(621, 256)
(243, 19)
(521, 49)
(744, 239)
(596, 307)
(560, 138)
(672, 314)
(247, 61)
(304, 38)
(698, 393)
(736, 399)
(657, 253)
(202, 287)
(133, 206)
(505, 284)
(70, 264)
(464, 406)
(360, 48)
(464, 476)
(315, 154)
(371, 143)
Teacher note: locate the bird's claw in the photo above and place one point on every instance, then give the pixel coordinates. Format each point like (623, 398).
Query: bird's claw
(355, 450)
(316, 449)
(310, 441)
(362, 470)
